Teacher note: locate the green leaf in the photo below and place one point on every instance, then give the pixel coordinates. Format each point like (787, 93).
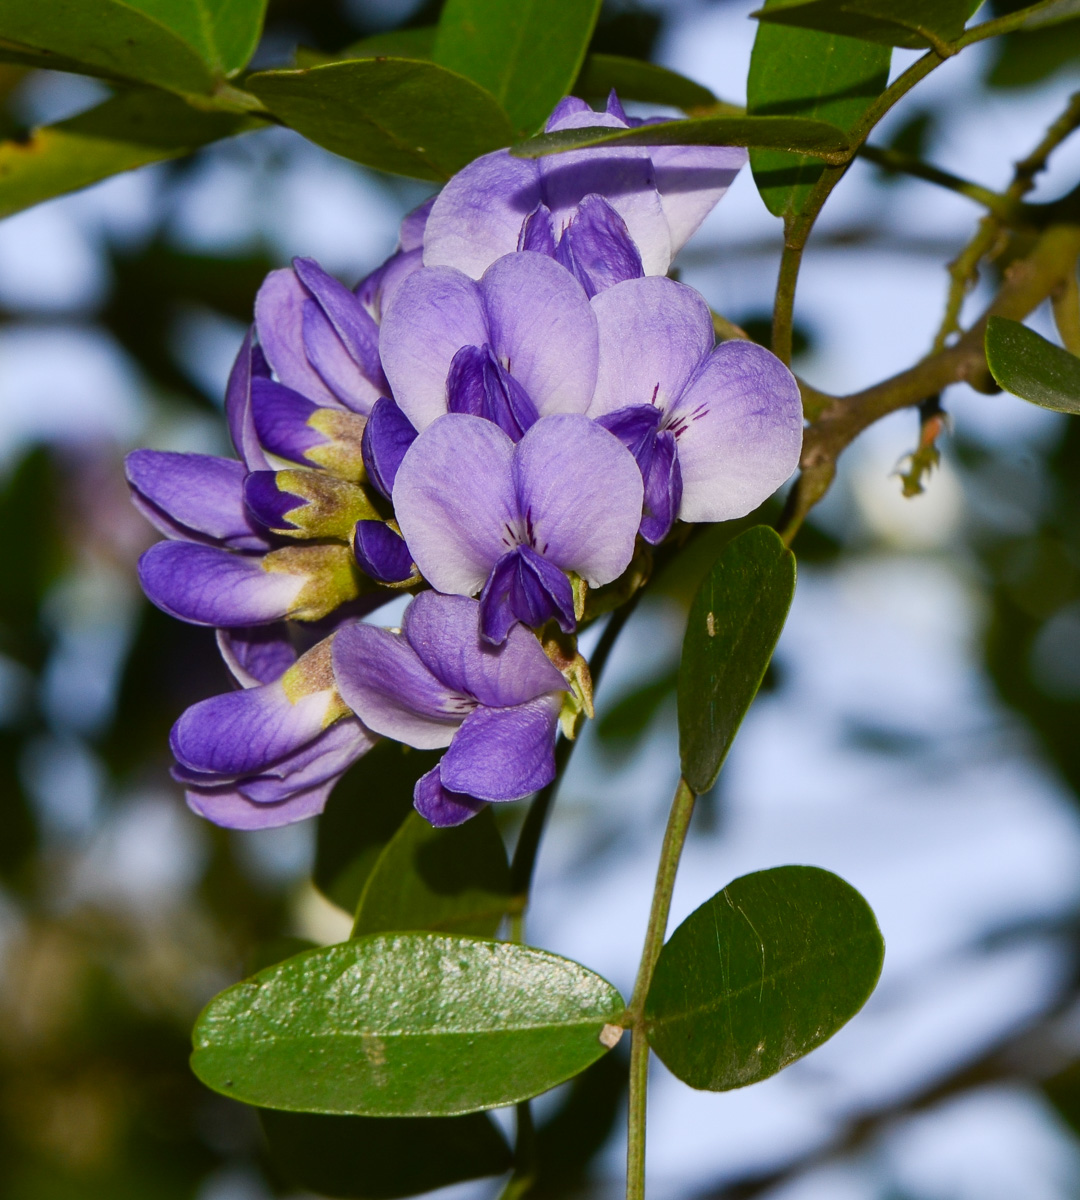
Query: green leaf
(363, 813)
(455, 880)
(734, 623)
(913, 24)
(404, 1025)
(403, 116)
(375, 1158)
(1032, 368)
(793, 133)
(128, 131)
(760, 975)
(806, 73)
(633, 79)
(527, 54)
(394, 43)
(181, 45)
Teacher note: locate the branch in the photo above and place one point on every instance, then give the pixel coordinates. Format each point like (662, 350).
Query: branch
(909, 164)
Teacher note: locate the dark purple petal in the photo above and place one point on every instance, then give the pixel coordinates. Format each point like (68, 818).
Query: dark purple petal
(352, 323)
(229, 808)
(440, 807)
(445, 633)
(381, 678)
(663, 489)
(387, 435)
(281, 421)
(635, 426)
(244, 732)
(538, 232)
(193, 497)
(739, 431)
(503, 753)
(596, 247)
(654, 334)
(615, 109)
(250, 365)
(455, 502)
(580, 492)
(524, 587)
(257, 654)
(267, 503)
(480, 385)
(377, 290)
(381, 553)
(279, 319)
(208, 586)
(322, 759)
(337, 368)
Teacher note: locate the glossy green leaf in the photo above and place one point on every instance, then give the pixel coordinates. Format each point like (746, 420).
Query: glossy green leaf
(130, 130)
(379, 1158)
(454, 880)
(912, 24)
(182, 45)
(760, 975)
(633, 79)
(734, 623)
(404, 1025)
(806, 73)
(795, 133)
(363, 813)
(1031, 367)
(403, 116)
(527, 54)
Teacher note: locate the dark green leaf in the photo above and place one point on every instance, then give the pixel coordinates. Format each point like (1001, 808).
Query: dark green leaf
(1031, 367)
(394, 43)
(760, 975)
(633, 79)
(363, 813)
(1026, 57)
(735, 621)
(455, 880)
(176, 44)
(810, 137)
(527, 54)
(403, 116)
(913, 24)
(404, 1025)
(128, 131)
(373, 1158)
(802, 72)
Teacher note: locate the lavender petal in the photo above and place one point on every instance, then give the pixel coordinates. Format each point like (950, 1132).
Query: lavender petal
(440, 807)
(503, 753)
(353, 324)
(249, 366)
(480, 385)
(663, 489)
(381, 553)
(337, 368)
(387, 435)
(279, 318)
(257, 654)
(231, 809)
(281, 421)
(596, 247)
(524, 587)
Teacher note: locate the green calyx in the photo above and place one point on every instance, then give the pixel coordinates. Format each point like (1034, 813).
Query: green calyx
(312, 673)
(341, 453)
(327, 507)
(331, 577)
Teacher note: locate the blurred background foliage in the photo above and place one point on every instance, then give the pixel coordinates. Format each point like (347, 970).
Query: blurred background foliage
(120, 913)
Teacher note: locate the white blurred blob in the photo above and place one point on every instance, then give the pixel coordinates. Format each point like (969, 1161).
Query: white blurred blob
(66, 783)
(315, 918)
(206, 344)
(49, 262)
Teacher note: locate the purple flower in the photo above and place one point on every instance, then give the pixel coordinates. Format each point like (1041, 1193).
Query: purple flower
(438, 683)
(479, 512)
(270, 754)
(518, 343)
(377, 290)
(715, 431)
(643, 203)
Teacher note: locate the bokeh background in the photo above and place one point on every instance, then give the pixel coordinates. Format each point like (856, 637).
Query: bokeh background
(920, 734)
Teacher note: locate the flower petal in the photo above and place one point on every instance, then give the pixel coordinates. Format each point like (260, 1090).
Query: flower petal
(321, 760)
(281, 419)
(524, 587)
(739, 432)
(382, 679)
(377, 290)
(250, 365)
(691, 181)
(581, 492)
(663, 489)
(503, 753)
(387, 435)
(231, 809)
(543, 330)
(455, 503)
(337, 368)
(445, 633)
(596, 247)
(477, 216)
(653, 333)
(438, 806)
(381, 553)
(436, 311)
(353, 324)
(257, 654)
(208, 586)
(279, 319)
(193, 497)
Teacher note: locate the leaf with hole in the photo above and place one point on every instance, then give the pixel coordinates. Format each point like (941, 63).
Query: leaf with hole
(733, 627)
(761, 974)
(526, 54)
(1032, 368)
(405, 1025)
(911, 24)
(810, 74)
(456, 880)
(404, 116)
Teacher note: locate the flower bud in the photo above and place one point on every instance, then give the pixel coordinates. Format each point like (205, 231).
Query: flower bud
(305, 504)
(329, 573)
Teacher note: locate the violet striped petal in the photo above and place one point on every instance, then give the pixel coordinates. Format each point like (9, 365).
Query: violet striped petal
(337, 368)
(279, 319)
(524, 587)
(231, 809)
(663, 489)
(249, 366)
(387, 435)
(596, 247)
(281, 421)
(538, 232)
(207, 586)
(691, 181)
(381, 553)
(257, 654)
(323, 759)
(480, 385)
(503, 753)
(353, 324)
(440, 807)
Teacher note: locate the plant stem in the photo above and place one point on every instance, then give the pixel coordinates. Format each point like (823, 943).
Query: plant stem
(909, 164)
(682, 809)
(525, 1164)
(784, 306)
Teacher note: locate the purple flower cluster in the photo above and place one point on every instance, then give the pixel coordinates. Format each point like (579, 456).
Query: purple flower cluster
(497, 413)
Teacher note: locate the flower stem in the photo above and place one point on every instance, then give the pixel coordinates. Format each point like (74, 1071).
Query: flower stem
(682, 809)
